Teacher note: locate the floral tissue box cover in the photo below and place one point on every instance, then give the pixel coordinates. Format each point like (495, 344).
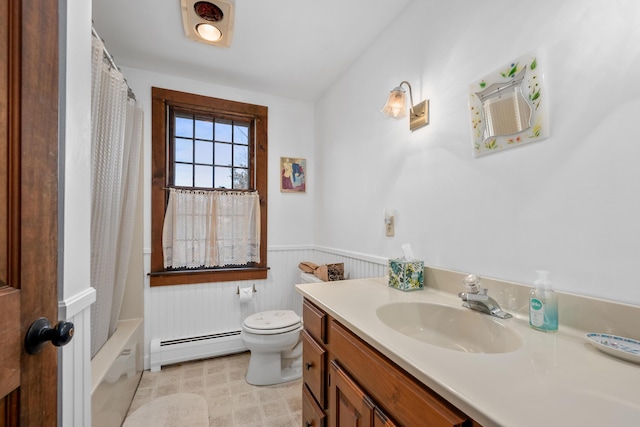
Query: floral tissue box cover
(406, 275)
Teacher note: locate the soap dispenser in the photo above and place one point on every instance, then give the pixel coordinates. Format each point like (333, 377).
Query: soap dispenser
(543, 304)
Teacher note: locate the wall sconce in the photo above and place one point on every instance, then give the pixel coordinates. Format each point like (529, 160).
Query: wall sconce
(395, 108)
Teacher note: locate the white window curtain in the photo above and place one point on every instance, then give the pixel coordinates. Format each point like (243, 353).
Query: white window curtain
(204, 229)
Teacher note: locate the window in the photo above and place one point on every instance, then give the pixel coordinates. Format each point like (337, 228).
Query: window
(207, 151)
(200, 142)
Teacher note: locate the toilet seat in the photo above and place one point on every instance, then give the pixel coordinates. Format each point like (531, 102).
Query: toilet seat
(272, 322)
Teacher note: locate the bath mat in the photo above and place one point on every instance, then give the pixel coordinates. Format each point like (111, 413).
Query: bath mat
(174, 410)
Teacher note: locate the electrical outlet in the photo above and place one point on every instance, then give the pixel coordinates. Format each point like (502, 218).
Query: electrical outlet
(389, 222)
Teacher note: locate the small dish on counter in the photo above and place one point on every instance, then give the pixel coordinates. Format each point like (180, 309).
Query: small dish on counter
(624, 348)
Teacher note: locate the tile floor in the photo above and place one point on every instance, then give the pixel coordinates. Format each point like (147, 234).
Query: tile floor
(232, 402)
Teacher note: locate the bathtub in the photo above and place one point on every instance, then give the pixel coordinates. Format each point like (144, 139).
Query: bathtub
(116, 372)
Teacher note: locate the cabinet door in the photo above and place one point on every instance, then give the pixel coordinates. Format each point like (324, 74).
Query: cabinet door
(350, 407)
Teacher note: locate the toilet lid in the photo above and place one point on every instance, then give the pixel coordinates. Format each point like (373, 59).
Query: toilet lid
(273, 319)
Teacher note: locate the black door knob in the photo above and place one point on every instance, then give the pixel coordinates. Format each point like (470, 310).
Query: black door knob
(41, 331)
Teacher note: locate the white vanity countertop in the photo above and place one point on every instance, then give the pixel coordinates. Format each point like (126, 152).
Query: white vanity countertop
(552, 379)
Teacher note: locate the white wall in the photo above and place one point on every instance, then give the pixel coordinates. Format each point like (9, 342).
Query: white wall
(291, 130)
(75, 294)
(569, 204)
(75, 128)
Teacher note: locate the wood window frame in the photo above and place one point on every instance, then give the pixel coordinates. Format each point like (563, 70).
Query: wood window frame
(162, 99)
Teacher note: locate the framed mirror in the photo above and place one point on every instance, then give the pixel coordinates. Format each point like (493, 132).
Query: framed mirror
(507, 108)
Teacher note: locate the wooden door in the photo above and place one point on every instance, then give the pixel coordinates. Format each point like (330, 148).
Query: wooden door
(28, 207)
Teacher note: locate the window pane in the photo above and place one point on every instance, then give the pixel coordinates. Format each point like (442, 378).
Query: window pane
(184, 150)
(241, 134)
(223, 131)
(204, 129)
(241, 156)
(223, 177)
(204, 152)
(184, 175)
(223, 154)
(240, 179)
(204, 176)
(184, 126)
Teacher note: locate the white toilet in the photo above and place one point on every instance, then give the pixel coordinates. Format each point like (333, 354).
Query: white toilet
(273, 337)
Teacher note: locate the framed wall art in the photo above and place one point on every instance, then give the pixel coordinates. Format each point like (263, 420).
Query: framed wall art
(293, 175)
(508, 107)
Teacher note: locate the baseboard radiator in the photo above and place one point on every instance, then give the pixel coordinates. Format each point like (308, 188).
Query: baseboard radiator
(166, 352)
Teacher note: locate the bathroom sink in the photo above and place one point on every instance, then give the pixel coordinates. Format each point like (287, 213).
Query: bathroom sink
(453, 328)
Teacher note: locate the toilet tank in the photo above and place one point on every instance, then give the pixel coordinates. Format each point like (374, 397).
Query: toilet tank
(309, 278)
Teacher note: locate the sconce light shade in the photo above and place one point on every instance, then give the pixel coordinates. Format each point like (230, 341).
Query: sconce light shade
(395, 107)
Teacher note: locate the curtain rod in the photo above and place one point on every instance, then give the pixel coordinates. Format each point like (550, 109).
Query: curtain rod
(211, 190)
(112, 62)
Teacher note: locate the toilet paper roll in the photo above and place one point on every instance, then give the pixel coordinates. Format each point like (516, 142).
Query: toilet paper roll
(246, 294)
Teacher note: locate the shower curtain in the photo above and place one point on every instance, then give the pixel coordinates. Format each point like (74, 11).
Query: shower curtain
(116, 136)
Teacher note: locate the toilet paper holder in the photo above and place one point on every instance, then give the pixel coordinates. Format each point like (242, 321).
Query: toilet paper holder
(238, 290)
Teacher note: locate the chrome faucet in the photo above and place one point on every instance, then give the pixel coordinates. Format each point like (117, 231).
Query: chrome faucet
(476, 298)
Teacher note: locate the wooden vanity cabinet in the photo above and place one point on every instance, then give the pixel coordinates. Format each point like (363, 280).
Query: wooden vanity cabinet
(358, 386)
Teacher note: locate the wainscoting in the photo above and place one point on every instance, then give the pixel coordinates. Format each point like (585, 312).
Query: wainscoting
(185, 311)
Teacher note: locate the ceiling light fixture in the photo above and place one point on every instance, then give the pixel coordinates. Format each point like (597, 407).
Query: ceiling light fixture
(208, 21)
(395, 107)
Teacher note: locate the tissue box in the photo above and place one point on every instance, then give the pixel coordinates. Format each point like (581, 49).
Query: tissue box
(406, 275)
